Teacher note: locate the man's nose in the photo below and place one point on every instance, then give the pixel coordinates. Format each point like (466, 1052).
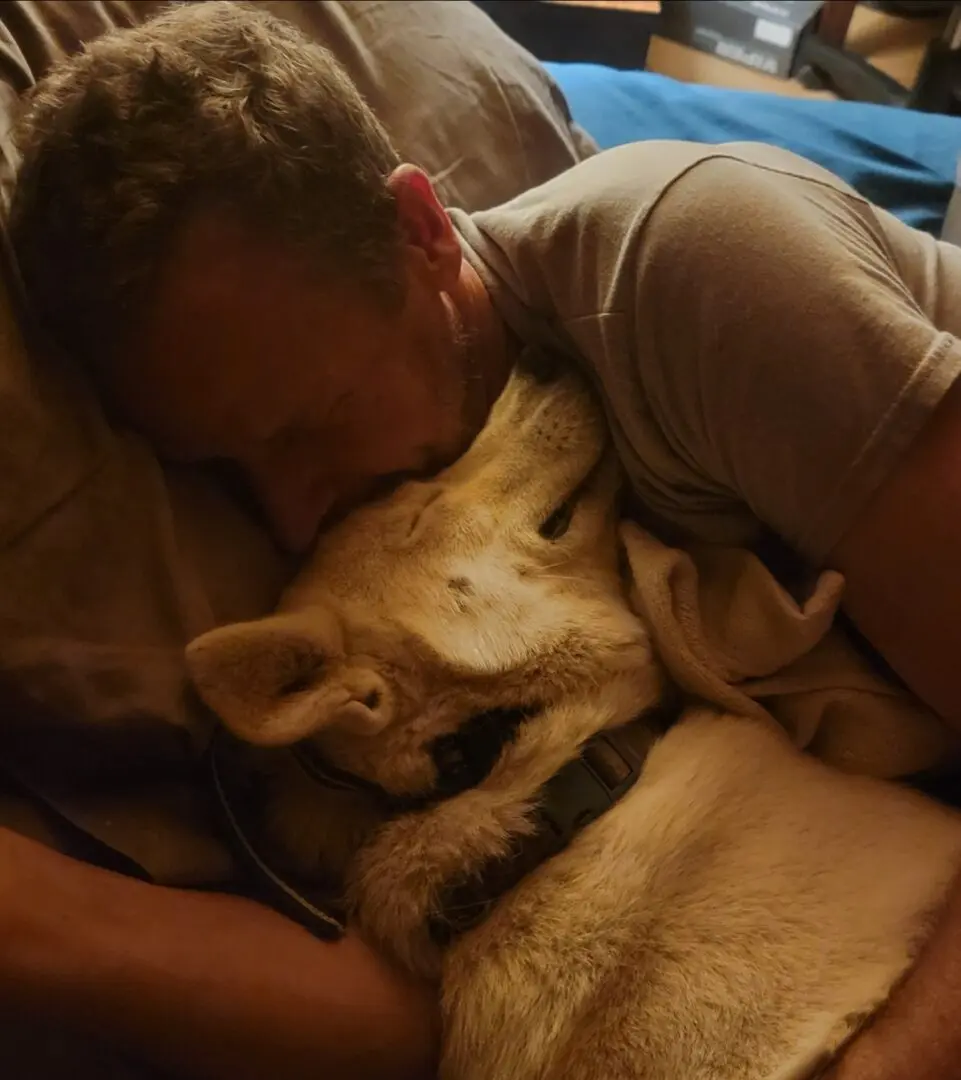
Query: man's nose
(294, 502)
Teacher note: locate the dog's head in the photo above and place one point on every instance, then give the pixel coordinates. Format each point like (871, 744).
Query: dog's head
(492, 590)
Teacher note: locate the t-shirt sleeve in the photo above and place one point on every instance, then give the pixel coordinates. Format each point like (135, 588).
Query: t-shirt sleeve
(791, 341)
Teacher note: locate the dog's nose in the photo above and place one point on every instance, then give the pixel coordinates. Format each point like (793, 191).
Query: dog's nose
(543, 365)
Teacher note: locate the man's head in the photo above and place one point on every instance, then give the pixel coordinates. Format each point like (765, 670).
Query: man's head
(211, 219)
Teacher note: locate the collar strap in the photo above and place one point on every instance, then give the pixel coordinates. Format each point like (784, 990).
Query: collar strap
(232, 804)
(609, 765)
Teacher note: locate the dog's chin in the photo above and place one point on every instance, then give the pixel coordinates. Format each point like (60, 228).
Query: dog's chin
(603, 486)
(600, 477)
(607, 476)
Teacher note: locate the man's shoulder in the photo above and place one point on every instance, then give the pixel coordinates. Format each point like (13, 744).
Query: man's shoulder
(564, 222)
(625, 177)
(584, 243)
(612, 194)
(635, 175)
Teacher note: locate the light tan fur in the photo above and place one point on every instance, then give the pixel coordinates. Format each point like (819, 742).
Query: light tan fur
(737, 915)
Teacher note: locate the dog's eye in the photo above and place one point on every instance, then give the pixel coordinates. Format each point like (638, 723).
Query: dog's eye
(559, 521)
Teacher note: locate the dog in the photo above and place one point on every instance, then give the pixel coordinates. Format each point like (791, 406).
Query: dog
(736, 914)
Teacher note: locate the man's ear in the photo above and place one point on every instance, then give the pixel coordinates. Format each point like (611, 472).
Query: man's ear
(277, 680)
(425, 225)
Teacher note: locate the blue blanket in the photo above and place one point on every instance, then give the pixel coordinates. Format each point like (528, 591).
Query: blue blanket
(903, 160)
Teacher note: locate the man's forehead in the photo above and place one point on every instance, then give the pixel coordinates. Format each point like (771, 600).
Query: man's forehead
(214, 269)
(225, 306)
(218, 235)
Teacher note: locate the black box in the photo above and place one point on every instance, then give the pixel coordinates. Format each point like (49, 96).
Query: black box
(577, 33)
(761, 34)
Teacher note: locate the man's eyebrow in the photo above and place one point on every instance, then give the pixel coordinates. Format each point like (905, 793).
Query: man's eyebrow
(184, 446)
(175, 448)
(234, 481)
(340, 402)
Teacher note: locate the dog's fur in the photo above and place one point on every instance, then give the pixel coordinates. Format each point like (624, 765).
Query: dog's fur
(737, 915)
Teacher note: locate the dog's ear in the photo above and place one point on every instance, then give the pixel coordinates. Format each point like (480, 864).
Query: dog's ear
(277, 680)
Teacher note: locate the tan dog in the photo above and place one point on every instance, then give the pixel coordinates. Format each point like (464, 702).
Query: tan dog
(736, 915)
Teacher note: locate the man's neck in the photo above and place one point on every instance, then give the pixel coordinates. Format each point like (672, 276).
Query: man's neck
(491, 348)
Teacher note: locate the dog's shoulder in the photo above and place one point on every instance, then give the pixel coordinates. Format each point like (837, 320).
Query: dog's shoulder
(695, 875)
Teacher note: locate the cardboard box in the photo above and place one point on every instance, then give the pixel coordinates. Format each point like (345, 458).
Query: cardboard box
(612, 32)
(761, 34)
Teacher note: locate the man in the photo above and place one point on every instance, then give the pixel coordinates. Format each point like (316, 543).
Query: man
(212, 222)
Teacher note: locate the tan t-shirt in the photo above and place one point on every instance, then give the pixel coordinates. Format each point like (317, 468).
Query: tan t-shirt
(766, 342)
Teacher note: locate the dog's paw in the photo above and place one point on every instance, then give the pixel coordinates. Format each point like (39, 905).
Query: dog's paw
(391, 893)
(399, 881)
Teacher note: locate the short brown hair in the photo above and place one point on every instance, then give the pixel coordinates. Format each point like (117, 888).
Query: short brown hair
(208, 104)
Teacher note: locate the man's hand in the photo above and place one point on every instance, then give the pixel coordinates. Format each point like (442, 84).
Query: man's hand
(208, 986)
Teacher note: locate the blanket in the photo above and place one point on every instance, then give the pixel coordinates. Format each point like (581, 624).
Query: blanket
(732, 635)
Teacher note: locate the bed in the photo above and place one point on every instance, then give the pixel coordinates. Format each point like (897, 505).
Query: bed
(903, 160)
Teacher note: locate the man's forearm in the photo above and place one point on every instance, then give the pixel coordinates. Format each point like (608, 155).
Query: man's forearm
(210, 986)
(917, 1036)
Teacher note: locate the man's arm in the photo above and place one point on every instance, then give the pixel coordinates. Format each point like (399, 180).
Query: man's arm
(918, 1034)
(209, 986)
(902, 562)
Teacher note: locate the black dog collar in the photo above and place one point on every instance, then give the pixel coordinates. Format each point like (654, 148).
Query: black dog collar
(607, 768)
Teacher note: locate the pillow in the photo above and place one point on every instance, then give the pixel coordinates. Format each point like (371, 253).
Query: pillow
(432, 70)
(109, 564)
